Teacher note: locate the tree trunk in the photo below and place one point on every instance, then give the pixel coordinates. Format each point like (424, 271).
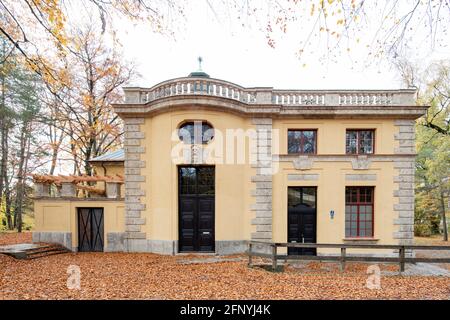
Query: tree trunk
(24, 172)
(9, 221)
(18, 208)
(4, 183)
(4, 141)
(53, 163)
(56, 144)
(444, 218)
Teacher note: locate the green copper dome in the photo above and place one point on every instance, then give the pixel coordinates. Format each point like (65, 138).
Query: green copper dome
(199, 73)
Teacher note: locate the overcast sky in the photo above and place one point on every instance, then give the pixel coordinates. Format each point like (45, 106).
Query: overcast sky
(243, 56)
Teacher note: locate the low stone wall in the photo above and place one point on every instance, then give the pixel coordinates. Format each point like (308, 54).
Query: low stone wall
(231, 247)
(63, 238)
(117, 242)
(164, 246)
(168, 247)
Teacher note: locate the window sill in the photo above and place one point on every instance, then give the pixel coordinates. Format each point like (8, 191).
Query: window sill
(361, 239)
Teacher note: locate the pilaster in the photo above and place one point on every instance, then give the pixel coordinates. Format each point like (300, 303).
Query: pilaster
(134, 180)
(404, 182)
(262, 193)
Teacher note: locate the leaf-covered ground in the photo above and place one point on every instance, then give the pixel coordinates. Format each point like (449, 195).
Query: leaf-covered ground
(149, 276)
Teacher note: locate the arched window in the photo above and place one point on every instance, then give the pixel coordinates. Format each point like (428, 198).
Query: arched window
(198, 132)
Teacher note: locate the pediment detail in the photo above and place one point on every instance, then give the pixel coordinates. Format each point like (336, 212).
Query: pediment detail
(361, 163)
(303, 163)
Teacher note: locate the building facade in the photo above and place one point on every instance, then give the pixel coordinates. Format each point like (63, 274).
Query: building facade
(209, 165)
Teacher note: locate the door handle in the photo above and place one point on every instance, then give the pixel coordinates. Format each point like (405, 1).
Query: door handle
(206, 232)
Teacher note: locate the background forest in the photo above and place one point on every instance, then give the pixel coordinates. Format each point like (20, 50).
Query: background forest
(55, 127)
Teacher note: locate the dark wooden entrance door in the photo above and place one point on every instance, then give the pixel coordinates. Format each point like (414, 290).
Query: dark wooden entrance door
(196, 208)
(90, 229)
(302, 218)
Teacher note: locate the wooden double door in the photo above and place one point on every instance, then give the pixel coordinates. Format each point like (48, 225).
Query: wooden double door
(302, 218)
(90, 229)
(196, 199)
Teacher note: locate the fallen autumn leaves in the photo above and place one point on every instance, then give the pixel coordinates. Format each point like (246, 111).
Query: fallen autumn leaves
(149, 276)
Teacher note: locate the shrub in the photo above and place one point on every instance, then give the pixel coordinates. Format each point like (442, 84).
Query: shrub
(422, 230)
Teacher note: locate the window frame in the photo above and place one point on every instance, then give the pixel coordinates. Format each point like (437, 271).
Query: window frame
(203, 122)
(358, 203)
(358, 131)
(315, 141)
(300, 189)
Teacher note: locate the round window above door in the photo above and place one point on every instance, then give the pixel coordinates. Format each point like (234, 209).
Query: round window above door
(196, 132)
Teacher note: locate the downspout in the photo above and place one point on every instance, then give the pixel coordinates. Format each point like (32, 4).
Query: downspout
(104, 173)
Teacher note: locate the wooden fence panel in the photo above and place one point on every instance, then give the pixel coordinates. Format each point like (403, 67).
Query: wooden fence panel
(343, 257)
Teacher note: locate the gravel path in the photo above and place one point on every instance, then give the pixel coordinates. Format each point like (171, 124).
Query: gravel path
(421, 269)
(434, 253)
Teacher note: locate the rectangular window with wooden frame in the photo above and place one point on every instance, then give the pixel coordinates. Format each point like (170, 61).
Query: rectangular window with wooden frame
(359, 212)
(302, 141)
(360, 141)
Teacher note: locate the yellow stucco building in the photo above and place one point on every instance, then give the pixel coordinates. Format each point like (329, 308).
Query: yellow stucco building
(209, 164)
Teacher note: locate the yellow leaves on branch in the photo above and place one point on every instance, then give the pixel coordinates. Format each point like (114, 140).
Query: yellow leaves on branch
(86, 100)
(40, 28)
(51, 10)
(313, 9)
(54, 76)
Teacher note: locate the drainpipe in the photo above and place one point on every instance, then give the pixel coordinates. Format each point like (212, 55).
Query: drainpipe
(104, 173)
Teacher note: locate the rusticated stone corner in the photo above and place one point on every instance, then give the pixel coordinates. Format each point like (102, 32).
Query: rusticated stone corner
(263, 180)
(134, 190)
(404, 182)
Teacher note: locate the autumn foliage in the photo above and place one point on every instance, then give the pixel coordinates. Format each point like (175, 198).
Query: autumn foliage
(150, 276)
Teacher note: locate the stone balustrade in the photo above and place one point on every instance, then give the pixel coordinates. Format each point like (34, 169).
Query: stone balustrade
(70, 190)
(228, 90)
(345, 98)
(190, 86)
